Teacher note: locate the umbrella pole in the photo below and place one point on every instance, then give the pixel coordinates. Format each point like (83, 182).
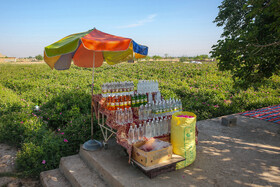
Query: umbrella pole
(92, 145)
(92, 85)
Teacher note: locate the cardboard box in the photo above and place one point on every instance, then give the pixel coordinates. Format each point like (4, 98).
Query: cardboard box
(152, 157)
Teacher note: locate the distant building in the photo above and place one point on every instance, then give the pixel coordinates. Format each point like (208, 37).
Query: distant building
(7, 59)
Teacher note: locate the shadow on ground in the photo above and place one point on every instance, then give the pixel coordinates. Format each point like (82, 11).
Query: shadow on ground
(247, 154)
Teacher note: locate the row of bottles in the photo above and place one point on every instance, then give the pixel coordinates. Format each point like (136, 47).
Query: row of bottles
(159, 109)
(117, 88)
(147, 86)
(149, 129)
(138, 100)
(118, 102)
(124, 116)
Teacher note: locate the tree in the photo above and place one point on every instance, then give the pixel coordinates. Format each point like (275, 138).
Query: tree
(39, 57)
(147, 58)
(156, 57)
(165, 55)
(183, 59)
(250, 47)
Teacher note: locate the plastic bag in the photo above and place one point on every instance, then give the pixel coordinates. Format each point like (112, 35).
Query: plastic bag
(183, 137)
(153, 145)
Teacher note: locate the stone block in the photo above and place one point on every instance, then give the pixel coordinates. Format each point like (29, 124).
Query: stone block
(229, 121)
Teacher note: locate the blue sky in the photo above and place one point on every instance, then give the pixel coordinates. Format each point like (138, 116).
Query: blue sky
(176, 28)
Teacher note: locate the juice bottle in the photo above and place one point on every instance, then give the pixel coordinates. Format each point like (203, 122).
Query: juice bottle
(124, 102)
(133, 101)
(117, 103)
(113, 104)
(121, 102)
(109, 102)
(128, 98)
(145, 99)
(138, 97)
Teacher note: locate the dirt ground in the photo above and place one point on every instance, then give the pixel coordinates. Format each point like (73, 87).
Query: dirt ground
(24, 62)
(247, 154)
(7, 169)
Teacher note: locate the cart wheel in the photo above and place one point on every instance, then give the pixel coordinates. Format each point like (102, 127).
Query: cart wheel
(105, 145)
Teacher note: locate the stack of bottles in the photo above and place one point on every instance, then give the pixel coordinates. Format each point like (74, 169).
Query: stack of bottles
(149, 129)
(124, 116)
(118, 102)
(147, 86)
(117, 88)
(138, 100)
(159, 109)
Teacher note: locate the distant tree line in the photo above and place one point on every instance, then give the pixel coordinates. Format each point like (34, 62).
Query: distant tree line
(182, 59)
(198, 57)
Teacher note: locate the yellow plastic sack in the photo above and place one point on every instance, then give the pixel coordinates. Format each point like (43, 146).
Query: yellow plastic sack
(183, 137)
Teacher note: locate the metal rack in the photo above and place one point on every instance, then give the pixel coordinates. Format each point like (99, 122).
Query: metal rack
(107, 131)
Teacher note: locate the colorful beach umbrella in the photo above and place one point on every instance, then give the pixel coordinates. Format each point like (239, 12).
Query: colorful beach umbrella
(81, 48)
(90, 49)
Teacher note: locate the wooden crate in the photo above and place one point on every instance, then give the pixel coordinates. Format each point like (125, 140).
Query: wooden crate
(155, 170)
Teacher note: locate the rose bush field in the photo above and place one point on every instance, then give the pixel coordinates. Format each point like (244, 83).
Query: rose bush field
(63, 121)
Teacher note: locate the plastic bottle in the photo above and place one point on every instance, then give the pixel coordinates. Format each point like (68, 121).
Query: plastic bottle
(150, 98)
(140, 112)
(149, 111)
(128, 98)
(118, 117)
(157, 128)
(133, 100)
(180, 105)
(145, 99)
(148, 133)
(117, 103)
(144, 128)
(161, 127)
(161, 109)
(130, 135)
(157, 109)
(165, 126)
(122, 117)
(141, 99)
(113, 104)
(130, 115)
(153, 128)
(141, 132)
(137, 100)
(146, 112)
(169, 125)
(126, 116)
(136, 133)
